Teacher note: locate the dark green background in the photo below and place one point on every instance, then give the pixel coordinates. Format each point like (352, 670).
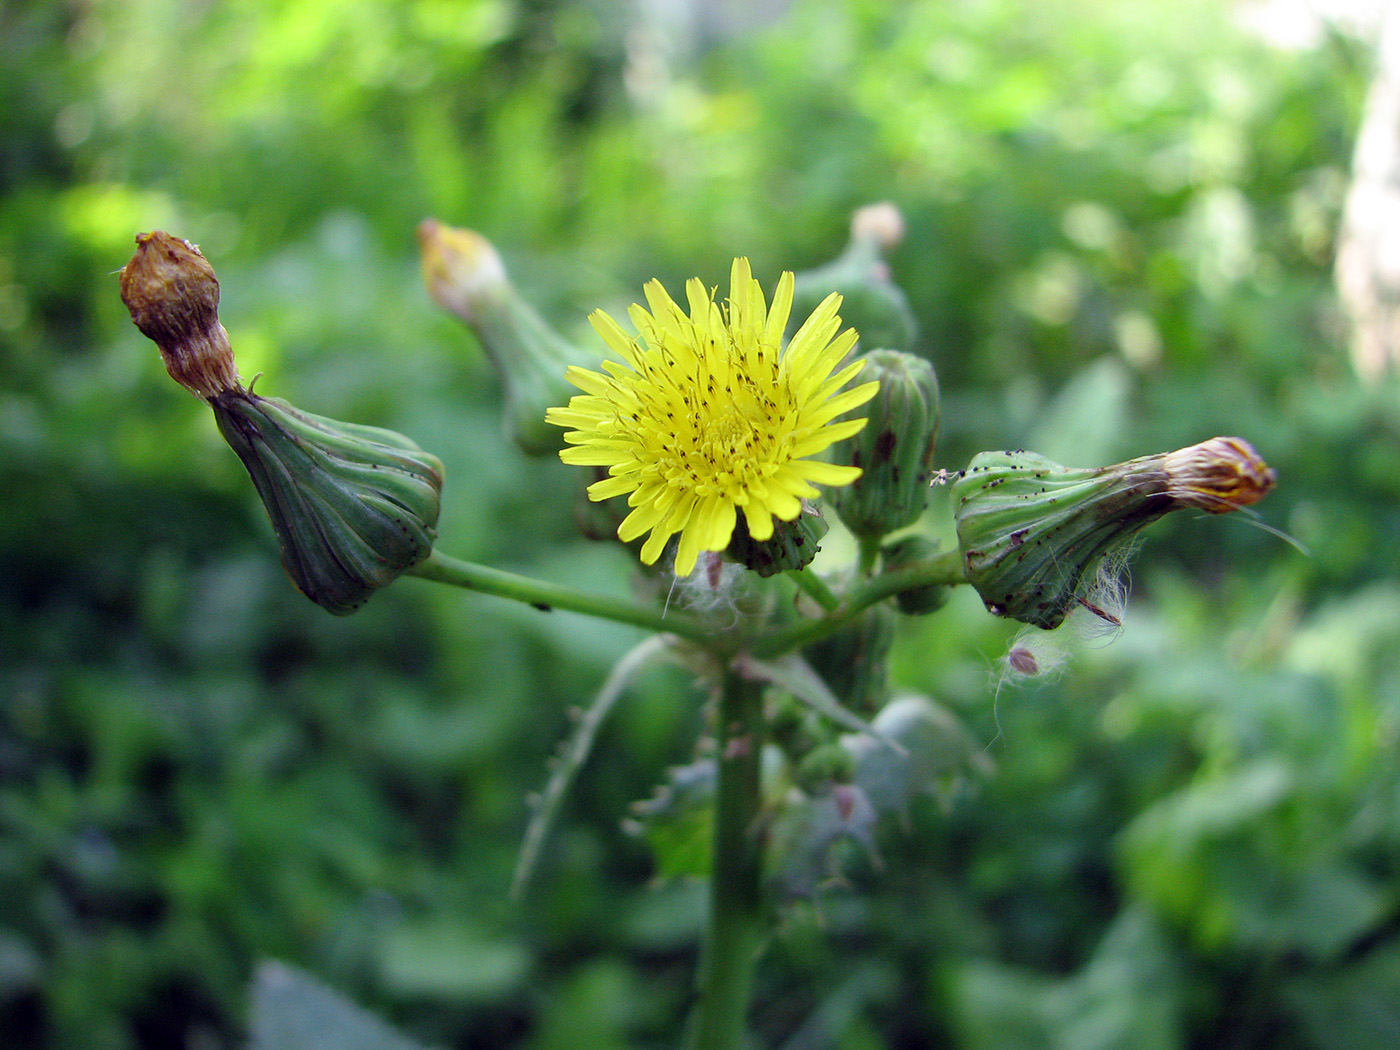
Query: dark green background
(1121, 223)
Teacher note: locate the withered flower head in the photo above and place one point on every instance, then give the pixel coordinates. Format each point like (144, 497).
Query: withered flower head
(1219, 475)
(1033, 532)
(173, 296)
(353, 507)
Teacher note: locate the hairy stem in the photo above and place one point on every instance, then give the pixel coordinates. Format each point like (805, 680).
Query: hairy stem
(737, 923)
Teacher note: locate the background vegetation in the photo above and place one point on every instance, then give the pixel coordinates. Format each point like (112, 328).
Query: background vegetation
(1121, 220)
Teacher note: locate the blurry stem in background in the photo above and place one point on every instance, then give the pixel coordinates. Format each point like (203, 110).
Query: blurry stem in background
(869, 554)
(737, 925)
(815, 588)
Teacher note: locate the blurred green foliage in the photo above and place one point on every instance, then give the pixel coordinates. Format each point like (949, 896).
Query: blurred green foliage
(1120, 230)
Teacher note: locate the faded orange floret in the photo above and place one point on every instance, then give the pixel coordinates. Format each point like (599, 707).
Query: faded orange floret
(1218, 476)
(173, 296)
(462, 270)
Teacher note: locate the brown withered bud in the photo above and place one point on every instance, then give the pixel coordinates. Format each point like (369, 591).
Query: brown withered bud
(173, 296)
(1033, 533)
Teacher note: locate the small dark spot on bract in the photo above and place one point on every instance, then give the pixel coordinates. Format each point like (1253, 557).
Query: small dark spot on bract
(884, 445)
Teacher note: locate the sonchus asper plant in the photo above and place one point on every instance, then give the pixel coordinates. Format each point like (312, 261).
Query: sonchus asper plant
(723, 424)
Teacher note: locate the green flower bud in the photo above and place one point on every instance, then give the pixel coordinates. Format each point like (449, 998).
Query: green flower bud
(917, 601)
(793, 544)
(465, 275)
(894, 450)
(871, 303)
(353, 507)
(1032, 532)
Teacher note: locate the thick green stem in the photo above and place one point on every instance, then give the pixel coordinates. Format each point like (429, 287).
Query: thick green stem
(944, 568)
(546, 596)
(737, 926)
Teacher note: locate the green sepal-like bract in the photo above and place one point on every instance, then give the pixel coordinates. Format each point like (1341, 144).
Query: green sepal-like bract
(353, 507)
(1032, 532)
(793, 544)
(895, 448)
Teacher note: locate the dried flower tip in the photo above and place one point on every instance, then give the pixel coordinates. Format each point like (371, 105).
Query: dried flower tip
(882, 223)
(173, 296)
(463, 272)
(465, 276)
(1218, 476)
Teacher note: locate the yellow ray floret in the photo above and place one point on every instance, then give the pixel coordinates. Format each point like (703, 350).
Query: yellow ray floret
(708, 414)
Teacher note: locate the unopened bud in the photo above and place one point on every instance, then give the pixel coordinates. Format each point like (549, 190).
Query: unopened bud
(872, 303)
(353, 507)
(173, 296)
(793, 544)
(895, 449)
(464, 274)
(882, 223)
(1032, 532)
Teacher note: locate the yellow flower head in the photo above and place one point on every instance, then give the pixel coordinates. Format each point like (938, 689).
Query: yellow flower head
(709, 413)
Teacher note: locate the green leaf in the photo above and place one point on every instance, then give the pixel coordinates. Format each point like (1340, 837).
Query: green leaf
(291, 1010)
(451, 962)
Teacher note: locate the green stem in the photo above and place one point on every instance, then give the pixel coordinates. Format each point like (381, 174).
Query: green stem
(814, 587)
(737, 926)
(869, 553)
(546, 596)
(945, 568)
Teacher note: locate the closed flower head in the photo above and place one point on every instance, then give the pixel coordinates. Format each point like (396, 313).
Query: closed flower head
(709, 414)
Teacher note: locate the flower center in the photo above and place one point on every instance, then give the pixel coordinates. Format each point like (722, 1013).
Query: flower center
(730, 441)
